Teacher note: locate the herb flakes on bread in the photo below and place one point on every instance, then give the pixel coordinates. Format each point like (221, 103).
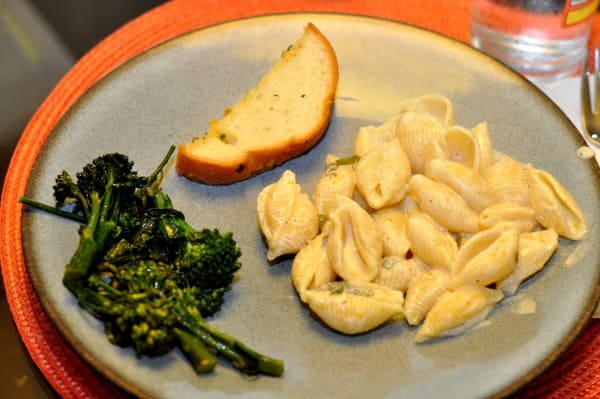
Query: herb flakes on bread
(283, 117)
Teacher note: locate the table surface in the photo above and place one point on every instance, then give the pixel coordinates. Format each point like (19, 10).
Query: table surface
(449, 18)
(34, 56)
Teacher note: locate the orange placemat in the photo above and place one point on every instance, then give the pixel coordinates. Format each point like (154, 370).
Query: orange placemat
(576, 374)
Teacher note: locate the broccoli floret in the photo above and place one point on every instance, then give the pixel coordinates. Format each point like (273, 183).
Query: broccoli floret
(144, 307)
(205, 258)
(106, 174)
(144, 271)
(104, 187)
(212, 258)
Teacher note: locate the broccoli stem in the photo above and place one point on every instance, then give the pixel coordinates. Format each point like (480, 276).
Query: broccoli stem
(154, 176)
(92, 240)
(265, 364)
(236, 359)
(52, 210)
(87, 249)
(85, 206)
(162, 201)
(240, 355)
(106, 202)
(198, 354)
(81, 261)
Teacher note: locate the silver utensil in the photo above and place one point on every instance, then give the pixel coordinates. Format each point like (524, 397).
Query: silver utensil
(590, 99)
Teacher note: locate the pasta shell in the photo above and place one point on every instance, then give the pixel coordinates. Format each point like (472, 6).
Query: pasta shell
(463, 180)
(484, 142)
(391, 223)
(286, 216)
(457, 311)
(355, 307)
(443, 204)
(423, 292)
(398, 272)
(311, 267)
(338, 179)
(428, 241)
(370, 137)
(462, 147)
(535, 249)
(421, 137)
(354, 245)
(487, 257)
(554, 206)
(507, 181)
(522, 216)
(382, 175)
(437, 107)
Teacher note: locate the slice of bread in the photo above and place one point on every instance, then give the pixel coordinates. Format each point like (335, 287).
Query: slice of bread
(284, 116)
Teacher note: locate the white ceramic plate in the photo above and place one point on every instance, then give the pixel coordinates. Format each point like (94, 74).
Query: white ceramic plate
(170, 94)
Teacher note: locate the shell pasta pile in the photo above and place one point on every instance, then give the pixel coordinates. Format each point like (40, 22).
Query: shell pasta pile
(425, 223)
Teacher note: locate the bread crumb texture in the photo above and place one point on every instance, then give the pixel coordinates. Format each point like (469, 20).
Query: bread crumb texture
(283, 116)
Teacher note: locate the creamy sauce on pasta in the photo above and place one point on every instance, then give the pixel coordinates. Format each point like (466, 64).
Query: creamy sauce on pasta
(578, 253)
(523, 304)
(469, 216)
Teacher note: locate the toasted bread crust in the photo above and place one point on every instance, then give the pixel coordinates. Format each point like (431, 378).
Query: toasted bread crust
(206, 169)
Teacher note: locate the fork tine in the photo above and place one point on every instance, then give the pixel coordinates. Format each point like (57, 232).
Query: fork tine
(586, 103)
(596, 81)
(589, 112)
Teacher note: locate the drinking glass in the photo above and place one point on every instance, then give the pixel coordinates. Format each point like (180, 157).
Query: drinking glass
(545, 40)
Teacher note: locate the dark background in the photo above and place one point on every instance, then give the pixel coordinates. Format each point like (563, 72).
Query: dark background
(39, 42)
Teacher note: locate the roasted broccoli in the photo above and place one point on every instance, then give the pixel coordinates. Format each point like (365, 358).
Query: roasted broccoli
(144, 271)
